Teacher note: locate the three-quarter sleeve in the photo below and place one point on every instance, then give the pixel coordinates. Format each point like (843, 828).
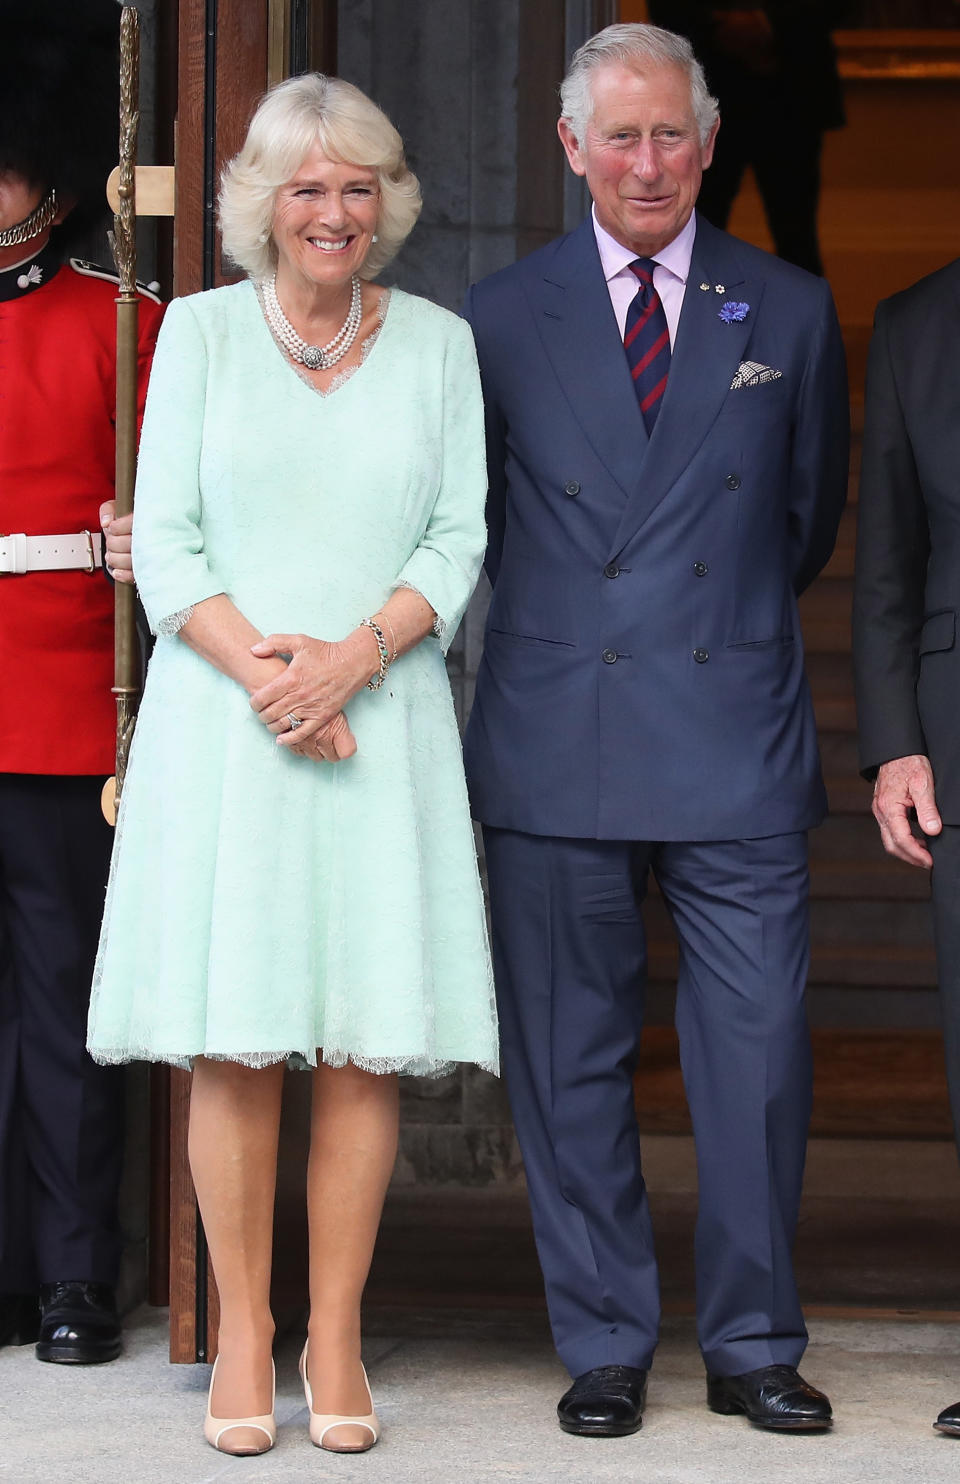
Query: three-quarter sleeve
(169, 562)
(446, 563)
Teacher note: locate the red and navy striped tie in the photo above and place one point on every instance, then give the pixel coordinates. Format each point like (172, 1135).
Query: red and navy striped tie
(646, 341)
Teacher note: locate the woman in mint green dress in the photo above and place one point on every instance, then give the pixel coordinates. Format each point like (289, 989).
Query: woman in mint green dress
(294, 872)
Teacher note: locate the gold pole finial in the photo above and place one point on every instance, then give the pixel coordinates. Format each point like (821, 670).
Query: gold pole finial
(125, 241)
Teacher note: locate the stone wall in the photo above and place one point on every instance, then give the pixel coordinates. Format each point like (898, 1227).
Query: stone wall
(472, 89)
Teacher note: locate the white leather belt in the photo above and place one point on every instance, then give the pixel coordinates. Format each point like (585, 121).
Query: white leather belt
(20, 553)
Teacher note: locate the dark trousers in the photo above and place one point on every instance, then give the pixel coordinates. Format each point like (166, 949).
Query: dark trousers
(61, 1116)
(786, 163)
(945, 888)
(570, 960)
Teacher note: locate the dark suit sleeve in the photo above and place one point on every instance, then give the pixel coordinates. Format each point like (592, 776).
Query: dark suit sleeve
(496, 451)
(821, 451)
(893, 545)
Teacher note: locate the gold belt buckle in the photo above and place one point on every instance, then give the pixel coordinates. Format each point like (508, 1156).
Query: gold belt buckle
(93, 561)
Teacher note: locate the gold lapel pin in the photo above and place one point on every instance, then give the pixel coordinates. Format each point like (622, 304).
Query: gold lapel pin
(705, 287)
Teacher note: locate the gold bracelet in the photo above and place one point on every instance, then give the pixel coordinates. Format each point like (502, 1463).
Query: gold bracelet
(393, 634)
(375, 681)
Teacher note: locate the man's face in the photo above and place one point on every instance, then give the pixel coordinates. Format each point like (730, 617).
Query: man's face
(17, 198)
(641, 155)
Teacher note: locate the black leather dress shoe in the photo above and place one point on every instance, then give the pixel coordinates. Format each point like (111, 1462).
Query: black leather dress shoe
(949, 1420)
(775, 1397)
(19, 1318)
(605, 1403)
(79, 1324)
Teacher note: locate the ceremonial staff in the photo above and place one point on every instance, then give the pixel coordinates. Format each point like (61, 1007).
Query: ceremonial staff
(126, 684)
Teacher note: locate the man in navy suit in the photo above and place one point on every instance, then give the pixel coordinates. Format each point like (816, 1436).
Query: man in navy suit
(667, 439)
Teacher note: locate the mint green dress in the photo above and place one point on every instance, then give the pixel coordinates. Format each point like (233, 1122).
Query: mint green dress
(262, 907)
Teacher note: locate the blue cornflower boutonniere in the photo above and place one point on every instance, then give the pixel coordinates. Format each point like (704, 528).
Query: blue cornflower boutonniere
(732, 312)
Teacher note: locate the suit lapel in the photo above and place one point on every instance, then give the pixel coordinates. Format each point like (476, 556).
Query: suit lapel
(580, 336)
(706, 354)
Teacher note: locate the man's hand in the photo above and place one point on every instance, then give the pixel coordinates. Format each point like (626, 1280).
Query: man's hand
(903, 784)
(118, 531)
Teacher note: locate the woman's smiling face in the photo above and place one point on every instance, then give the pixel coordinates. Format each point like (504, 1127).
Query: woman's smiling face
(324, 220)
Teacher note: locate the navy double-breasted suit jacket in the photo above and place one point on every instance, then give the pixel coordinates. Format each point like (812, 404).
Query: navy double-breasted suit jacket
(643, 674)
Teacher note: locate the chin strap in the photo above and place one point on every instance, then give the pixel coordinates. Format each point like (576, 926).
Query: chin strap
(39, 219)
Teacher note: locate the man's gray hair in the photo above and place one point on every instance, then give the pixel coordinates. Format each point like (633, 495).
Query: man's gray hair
(631, 44)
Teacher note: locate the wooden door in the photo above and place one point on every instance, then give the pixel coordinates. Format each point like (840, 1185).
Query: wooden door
(228, 53)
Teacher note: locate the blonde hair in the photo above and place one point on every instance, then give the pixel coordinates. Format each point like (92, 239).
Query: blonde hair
(290, 119)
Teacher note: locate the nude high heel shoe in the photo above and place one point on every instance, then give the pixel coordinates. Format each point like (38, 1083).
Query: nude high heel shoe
(322, 1423)
(215, 1427)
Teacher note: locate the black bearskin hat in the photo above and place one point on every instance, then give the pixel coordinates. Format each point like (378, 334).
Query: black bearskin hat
(59, 102)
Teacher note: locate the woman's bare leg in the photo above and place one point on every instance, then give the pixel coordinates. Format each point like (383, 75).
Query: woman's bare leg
(234, 1124)
(353, 1146)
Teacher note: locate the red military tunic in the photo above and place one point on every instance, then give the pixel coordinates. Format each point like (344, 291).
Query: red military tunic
(57, 452)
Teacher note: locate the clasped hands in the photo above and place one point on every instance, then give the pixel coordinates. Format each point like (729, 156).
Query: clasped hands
(320, 678)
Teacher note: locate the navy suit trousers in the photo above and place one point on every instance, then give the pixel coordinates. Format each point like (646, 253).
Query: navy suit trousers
(61, 1116)
(570, 961)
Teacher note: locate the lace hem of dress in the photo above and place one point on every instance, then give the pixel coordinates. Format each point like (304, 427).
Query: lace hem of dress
(439, 624)
(405, 1066)
(174, 622)
(342, 377)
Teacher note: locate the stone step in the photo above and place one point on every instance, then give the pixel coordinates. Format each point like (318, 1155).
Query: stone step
(880, 966)
(886, 1083)
(846, 854)
(831, 685)
(848, 837)
(836, 713)
(857, 880)
(848, 794)
(871, 923)
(841, 563)
(885, 880)
(825, 614)
(837, 924)
(839, 756)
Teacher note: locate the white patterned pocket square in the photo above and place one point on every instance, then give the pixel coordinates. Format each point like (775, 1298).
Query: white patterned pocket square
(752, 373)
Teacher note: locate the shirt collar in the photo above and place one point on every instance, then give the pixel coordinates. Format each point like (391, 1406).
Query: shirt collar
(30, 274)
(675, 257)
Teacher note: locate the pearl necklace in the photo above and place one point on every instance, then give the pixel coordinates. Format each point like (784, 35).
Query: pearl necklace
(314, 357)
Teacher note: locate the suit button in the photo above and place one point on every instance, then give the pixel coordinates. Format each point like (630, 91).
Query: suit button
(611, 570)
(701, 656)
(732, 481)
(701, 569)
(609, 656)
(572, 489)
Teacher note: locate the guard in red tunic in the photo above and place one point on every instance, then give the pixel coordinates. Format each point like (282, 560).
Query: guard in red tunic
(61, 1117)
